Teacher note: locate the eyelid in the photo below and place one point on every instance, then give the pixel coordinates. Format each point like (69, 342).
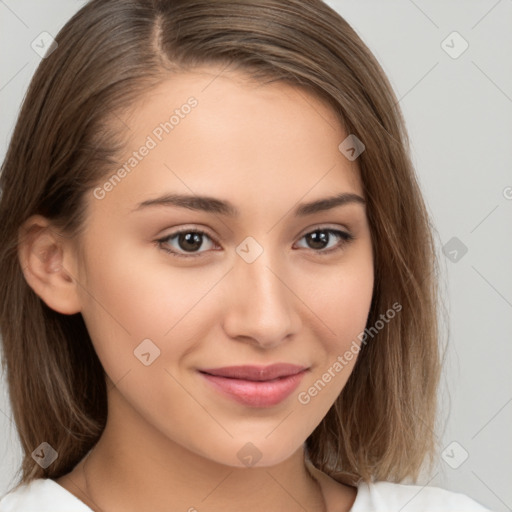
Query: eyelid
(337, 230)
(325, 227)
(203, 232)
(343, 233)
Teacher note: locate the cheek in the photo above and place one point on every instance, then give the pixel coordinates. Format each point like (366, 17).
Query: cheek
(341, 304)
(338, 355)
(131, 295)
(342, 299)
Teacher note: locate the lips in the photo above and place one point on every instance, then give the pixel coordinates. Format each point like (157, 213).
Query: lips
(256, 373)
(256, 386)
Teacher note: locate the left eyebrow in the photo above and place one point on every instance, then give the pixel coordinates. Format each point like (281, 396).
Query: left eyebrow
(328, 203)
(214, 205)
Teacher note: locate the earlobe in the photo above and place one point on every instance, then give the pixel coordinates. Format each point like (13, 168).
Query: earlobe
(47, 263)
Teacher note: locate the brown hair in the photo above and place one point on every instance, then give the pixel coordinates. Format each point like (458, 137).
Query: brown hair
(381, 427)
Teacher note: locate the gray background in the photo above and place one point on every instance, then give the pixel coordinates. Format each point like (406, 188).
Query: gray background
(459, 116)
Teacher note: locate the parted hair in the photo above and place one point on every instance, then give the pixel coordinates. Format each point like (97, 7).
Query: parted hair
(109, 54)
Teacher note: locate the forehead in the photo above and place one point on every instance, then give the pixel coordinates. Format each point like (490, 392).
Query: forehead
(222, 134)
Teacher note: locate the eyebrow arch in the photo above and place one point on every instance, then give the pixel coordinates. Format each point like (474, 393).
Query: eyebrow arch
(214, 205)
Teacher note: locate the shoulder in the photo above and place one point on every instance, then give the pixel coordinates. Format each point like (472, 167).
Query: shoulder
(385, 496)
(41, 495)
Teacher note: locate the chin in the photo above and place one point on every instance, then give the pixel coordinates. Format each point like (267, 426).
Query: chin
(255, 454)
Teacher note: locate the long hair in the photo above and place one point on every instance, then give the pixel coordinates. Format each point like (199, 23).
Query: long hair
(381, 426)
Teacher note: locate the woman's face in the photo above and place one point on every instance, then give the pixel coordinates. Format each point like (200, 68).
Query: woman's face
(271, 281)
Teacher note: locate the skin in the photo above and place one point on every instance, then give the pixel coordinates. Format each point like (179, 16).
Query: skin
(170, 437)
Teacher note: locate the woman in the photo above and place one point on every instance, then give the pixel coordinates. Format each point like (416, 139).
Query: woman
(219, 274)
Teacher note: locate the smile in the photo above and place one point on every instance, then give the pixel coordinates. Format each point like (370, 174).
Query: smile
(256, 386)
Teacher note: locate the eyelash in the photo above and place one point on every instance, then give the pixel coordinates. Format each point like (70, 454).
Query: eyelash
(343, 235)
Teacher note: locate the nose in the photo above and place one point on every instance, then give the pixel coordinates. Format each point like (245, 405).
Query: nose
(262, 305)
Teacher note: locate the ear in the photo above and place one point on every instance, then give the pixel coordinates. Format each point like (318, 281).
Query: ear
(48, 263)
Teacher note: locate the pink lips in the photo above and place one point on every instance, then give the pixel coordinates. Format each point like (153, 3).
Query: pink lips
(256, 386)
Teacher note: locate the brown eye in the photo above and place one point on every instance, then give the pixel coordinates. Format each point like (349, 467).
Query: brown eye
(319, 239)
(190, 241)
(186, 242)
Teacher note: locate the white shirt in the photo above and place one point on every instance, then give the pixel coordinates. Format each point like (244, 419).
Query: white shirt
(46, 495)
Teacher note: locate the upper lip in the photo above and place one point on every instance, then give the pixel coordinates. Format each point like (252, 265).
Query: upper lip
(256, 373)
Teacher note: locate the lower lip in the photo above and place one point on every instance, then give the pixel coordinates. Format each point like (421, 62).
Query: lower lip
(256, 393)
